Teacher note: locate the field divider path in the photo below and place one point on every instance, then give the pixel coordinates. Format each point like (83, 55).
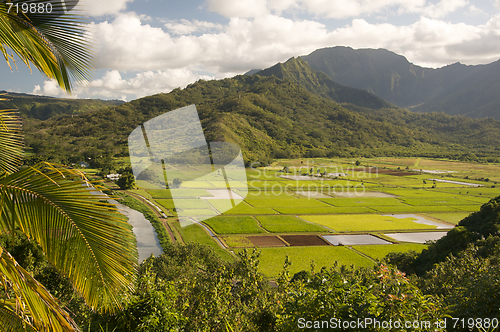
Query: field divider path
(362, 254)
(176, 233)
(260, 225)
(163, 220)
(286, 243)
(212, 235)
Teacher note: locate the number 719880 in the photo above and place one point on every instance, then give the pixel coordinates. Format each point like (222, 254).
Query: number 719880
(31, 8)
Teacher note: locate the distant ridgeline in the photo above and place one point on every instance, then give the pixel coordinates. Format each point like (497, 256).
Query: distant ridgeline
(455, 89)
(42, 107)
(270, 117)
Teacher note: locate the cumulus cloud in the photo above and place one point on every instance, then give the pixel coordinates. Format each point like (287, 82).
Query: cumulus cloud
(50, 88)
(186, 27)
(335, 8)
(100, 8)
(356, 8)
(183, 51)
(240, 8)
(113, 86)
(127, 44)
(443, 8)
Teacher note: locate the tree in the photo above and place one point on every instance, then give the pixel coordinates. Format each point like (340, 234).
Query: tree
(55, 206)
(126, 181)
(58, 46)
(177, 183)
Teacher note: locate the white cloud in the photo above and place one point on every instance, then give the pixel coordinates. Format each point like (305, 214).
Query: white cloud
(345, 9)
(335, 8)
(473, 10)
(50, 88)
(113, 86)
(443, 8)
(497, 3)
(128, 44)
(175, 55)
(239, 8)
(185, 27)
(107, 7)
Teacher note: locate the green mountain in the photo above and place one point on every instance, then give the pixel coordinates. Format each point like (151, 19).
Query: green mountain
(270, 118)
(298, 70)
(474, 97)
(42, 107)
(453, 89)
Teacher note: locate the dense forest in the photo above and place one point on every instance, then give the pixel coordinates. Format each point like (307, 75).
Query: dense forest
(189, 288)
(268, 118)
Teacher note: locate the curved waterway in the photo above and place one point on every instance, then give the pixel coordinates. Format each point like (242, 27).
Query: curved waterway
(147, 240)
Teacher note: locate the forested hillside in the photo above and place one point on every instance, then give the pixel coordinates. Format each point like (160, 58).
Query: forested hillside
(270, 118)
(297, 70)
(42, 107)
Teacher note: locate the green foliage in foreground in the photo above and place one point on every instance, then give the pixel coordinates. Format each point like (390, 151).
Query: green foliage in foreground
(377, 251)
(302, 257)
(478, 229)
(189, 288)
(196, 234)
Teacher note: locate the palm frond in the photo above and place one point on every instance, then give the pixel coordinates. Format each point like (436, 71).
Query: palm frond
(57, 45)
(11, 141)
(87, 240)
(32, 308)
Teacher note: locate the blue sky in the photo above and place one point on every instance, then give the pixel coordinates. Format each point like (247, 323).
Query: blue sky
(145, 47)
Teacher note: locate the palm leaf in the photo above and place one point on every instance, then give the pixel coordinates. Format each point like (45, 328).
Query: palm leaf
(87, 240)
(11, 141)
(57, 45)
(33, 308)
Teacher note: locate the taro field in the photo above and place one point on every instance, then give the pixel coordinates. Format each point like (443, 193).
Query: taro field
(331, 211)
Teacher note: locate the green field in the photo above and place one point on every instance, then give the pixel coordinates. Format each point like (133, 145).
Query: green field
(377, 251)
(243, 208)
(288, 224)
(286, 203)
(362, 201)
(234, 225)
(451, 217)
(323, 210)
(238, 242)
(272, 259)
(365, 223)
(273, 205)
(195, 233)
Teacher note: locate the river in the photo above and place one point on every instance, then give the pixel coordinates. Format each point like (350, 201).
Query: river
(147, 241)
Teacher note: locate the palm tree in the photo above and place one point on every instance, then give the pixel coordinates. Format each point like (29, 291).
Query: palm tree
(82, 235)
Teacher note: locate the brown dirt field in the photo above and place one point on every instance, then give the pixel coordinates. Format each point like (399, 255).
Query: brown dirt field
(266, 241)
(304, 240)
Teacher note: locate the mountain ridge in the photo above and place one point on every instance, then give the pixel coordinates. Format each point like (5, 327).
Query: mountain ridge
(298, 70)
(269, 118)
(44, 107)
(393, 78)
